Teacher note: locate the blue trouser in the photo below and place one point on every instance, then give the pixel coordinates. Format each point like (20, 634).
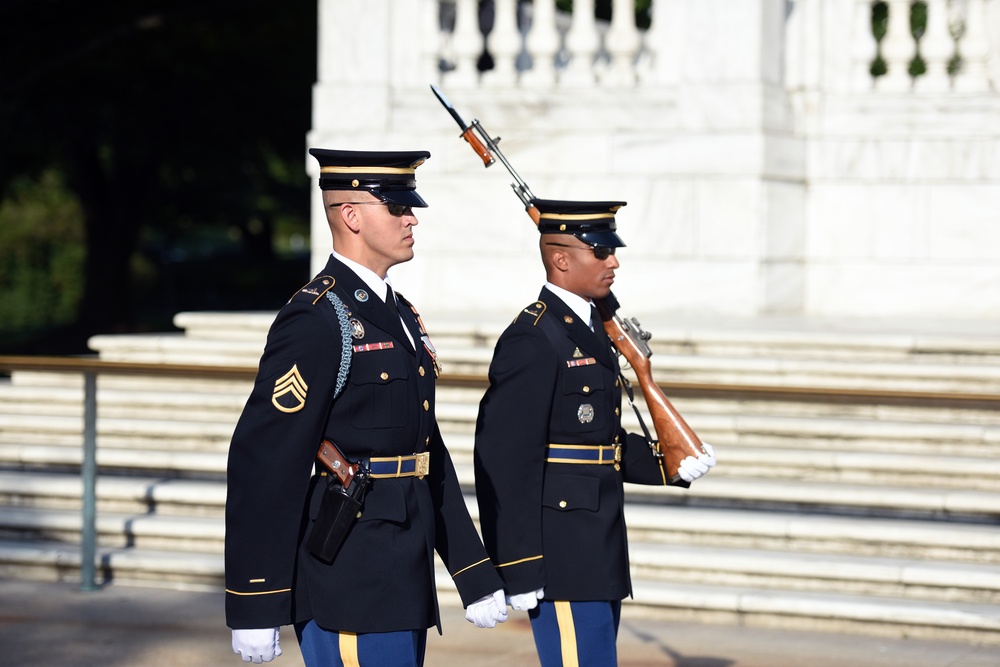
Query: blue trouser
(576, 634)
(328, 648)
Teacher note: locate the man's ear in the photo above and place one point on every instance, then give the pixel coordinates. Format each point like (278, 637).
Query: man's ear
(560, 260)
(349, 216)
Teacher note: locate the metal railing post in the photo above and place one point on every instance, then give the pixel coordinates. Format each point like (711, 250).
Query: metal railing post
(88, 475)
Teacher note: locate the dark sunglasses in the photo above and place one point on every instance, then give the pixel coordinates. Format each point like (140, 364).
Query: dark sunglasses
(394, 209)
(601, 252)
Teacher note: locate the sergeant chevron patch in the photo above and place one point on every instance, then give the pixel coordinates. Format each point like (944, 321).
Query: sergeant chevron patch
(290, 391)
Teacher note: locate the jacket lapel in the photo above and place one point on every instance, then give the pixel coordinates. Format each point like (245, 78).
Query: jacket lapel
(368, 306)
(591, 343)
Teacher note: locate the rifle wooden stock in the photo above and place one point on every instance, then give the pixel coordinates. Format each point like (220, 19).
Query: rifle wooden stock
(676, 439)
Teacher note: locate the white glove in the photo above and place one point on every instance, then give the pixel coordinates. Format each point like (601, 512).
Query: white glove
(257, 645)
(692, 468)
(486, 612)
(525, 601)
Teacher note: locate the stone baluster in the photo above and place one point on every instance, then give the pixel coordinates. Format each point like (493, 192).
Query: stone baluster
(864, 46)
(543, 44)
(432, 51)
(582, 45)
(662, 40)
(505, 44)
(937, 47)
(467, 43)
(622, 42)
(973, 77)
(898, 49)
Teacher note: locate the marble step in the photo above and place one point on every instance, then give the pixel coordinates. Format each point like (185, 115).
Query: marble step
(834, 361)
(716, 336)
(908, 579)
(813, 609)
(152, 499)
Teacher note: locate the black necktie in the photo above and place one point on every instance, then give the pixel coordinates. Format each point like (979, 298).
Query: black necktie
(390, 301)
(595, 318)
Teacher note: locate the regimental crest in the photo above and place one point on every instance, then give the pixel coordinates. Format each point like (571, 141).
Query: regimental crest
(290, 391)
(357, 329)
(585, 413)
(361, 295)
(577, 353)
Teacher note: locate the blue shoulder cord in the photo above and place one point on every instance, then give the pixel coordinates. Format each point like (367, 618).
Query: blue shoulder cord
(346, 346)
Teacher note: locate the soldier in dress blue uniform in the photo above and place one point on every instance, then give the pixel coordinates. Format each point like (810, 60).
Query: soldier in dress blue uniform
(550, 451)
(348, 360)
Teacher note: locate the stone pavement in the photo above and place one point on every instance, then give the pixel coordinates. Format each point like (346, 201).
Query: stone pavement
(45, 624)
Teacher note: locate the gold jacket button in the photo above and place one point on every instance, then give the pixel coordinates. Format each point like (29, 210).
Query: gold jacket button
(617, 412)
(586, 389)
(384, 376)
(421, 371)
(427, 406)
(562, 504)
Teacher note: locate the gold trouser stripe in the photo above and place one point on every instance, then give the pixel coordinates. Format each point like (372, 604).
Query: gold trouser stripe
(567, 633)
(349, 649)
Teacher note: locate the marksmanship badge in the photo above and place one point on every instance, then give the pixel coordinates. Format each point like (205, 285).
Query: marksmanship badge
(585, 413)
(357, 329)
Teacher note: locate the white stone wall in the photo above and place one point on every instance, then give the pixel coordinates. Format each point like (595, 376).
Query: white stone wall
(763, 170)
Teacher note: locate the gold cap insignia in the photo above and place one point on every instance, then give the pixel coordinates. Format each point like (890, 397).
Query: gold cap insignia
(290, 391)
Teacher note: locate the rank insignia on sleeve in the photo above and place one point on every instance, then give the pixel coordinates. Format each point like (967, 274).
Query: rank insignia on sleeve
(290, 391)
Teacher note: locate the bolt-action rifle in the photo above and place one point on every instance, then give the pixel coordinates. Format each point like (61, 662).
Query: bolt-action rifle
(675, 440)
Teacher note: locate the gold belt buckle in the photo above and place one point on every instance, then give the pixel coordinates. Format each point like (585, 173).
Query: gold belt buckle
(423, 464)
(618, 457)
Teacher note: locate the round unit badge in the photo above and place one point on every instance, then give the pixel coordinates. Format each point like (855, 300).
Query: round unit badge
(361, 295)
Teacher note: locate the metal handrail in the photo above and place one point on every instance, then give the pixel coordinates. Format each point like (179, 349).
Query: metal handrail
(90, 367)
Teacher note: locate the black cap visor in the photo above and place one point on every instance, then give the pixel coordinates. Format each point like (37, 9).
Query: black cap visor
(402, 197)
(605, 238)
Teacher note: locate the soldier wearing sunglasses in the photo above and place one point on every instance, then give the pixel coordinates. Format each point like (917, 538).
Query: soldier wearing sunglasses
(348, 361)
(550, 451)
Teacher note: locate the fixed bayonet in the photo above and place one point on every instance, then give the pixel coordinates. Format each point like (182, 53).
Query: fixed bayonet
(487, 148)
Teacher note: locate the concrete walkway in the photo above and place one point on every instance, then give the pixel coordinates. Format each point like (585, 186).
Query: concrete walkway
(57, 625)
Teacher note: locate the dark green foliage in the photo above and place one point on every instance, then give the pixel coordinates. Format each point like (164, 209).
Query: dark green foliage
(166, 120)
(41, 255)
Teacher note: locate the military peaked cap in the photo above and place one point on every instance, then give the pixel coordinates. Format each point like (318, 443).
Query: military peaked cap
(389, 175)
(593, 222)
